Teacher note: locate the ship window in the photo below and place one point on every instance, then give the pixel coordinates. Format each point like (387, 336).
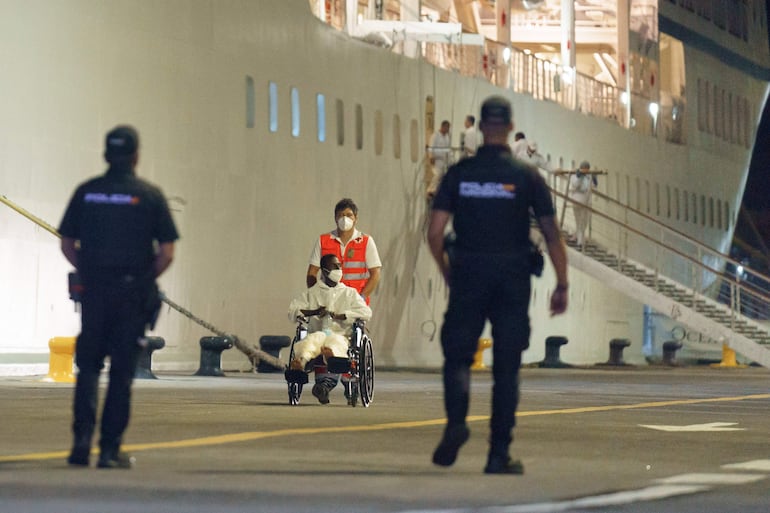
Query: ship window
(638, 195)
(668, 201)
(647, 196)
(703, 210)
(272, 91)
(709, 108)
(717, 112)
(694, 208)
(686, 206)
(730, 118)
(747, 120)
(676, 203)
(727, 215)
(294, 112)
(251, 107)
(701, 107)
(719, 214)
(724, 114)
(396, 136)
(320, 109)
(359, 126)
(340, 113)
(414, 141)
(711, 212)
(378, 132)
(657, 199)
(628, 189)
(744, 122)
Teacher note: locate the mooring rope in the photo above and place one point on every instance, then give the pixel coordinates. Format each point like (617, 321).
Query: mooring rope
(254, 354)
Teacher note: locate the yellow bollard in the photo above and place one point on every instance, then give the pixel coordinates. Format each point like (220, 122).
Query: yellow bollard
(478, 358)
(728, 359)
(61, 359)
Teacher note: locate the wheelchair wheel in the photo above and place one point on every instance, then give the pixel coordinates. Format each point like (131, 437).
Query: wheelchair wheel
(352, 393)
(366, 372)
(295, 391)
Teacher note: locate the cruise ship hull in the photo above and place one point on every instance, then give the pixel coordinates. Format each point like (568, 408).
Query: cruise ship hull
(250, 200)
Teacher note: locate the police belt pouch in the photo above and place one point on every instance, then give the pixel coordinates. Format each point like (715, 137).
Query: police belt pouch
(75, 286)
(536, 260)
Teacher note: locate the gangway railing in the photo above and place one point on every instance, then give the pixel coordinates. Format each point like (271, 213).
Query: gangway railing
(672, 264)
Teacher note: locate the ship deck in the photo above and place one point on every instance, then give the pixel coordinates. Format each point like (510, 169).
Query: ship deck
(232, 444)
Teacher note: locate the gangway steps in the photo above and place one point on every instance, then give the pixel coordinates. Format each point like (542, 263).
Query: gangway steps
(678, 293)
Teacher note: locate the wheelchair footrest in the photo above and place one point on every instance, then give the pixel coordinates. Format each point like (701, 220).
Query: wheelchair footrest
(295, 376)
(337, 365)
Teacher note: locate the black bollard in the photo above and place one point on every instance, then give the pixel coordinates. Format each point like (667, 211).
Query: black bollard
(669, 352)
(211, 355)
(552, 347)
(144, 364)
(272, 345)
(616, 351)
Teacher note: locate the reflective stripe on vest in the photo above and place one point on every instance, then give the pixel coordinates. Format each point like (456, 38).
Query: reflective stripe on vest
(354, 271)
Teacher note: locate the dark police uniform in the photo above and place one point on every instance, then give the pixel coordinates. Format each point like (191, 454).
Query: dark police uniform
(490, 197)
(117, 218)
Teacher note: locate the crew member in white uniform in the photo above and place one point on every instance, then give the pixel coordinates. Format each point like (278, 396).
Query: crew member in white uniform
(439, 151)
(580, 187)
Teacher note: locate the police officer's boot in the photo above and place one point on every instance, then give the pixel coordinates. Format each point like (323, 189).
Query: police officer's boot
(113, 457)
(500, 462)
(81, 449)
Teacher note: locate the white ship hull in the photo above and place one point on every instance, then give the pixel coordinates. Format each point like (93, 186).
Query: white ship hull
(249, 202)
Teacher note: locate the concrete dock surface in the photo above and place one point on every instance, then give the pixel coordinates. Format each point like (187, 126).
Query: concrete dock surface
(637, 439)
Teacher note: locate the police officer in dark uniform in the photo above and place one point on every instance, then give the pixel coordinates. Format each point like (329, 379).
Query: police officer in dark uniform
(489, 198)
(118, 233)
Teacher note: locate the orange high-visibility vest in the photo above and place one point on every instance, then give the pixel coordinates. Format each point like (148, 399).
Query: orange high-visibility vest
(354, 271)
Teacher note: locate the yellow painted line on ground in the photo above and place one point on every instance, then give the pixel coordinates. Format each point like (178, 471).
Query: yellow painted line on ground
(258, 435)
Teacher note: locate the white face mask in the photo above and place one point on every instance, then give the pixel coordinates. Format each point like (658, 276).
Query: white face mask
(344, 223)
(334, 275)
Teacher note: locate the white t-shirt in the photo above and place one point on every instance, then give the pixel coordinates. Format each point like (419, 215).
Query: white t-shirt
(519, 149)
(471, 141)
(580, 188)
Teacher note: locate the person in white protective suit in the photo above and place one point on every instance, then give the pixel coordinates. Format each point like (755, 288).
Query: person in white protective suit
(331, 308)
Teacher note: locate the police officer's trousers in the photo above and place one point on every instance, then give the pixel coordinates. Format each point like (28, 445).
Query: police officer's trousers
(113, 322)
(494, 287)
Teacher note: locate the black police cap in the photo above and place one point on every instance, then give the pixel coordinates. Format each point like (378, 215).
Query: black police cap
(121, 141)
(496, 109)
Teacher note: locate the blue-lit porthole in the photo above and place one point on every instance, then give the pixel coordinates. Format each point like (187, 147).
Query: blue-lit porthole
(321, 117)
(273, 107)
(294, 112)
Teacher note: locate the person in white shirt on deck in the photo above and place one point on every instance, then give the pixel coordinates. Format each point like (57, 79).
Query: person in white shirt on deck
(519, 147)
(471, 137)
(439, 151)
(536, 159)
(580, 186)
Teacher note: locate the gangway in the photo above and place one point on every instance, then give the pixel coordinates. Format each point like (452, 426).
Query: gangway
(638, 255)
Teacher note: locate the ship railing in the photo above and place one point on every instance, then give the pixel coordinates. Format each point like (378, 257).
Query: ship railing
(525, 73)
(636, 237)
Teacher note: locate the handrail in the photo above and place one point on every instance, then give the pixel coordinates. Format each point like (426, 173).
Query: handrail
(733, 291)
(638, 232)
(684, 237)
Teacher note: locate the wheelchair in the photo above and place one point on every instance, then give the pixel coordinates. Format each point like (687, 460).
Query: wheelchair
(359, 365)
